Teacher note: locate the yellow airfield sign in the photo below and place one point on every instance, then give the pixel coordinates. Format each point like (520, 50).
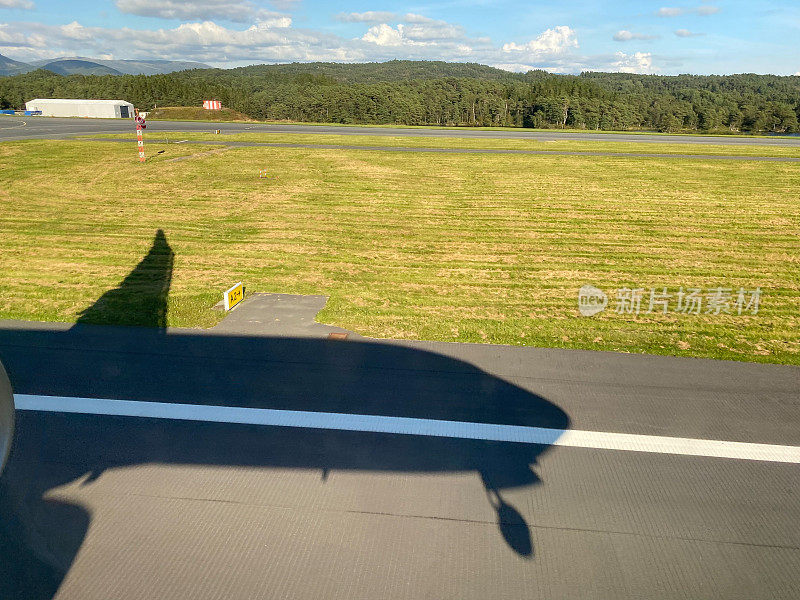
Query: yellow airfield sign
(233, 296)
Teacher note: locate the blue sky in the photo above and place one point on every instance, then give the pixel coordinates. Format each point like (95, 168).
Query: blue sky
(726, 36)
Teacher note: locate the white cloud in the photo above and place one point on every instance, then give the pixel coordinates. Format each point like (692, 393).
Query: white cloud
(10, 38)
(551, 42)
(206, 42)
(278, 40)
(430, 30)
(676, 11)
(23, 4)
(425, 38)
(384, 35)
(371, 16)
(421, 33)
(685, 33)
(623, 35)
(639, 62)
(237, 11)
(414, 18)
(75, 31)
(797, 74)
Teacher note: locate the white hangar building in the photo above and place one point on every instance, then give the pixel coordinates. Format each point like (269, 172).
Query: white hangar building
(97, 109)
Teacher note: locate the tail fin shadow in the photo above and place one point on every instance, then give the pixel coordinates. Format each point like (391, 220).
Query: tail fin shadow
(141, 298)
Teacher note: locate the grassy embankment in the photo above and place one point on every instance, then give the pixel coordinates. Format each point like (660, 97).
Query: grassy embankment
(456, 247)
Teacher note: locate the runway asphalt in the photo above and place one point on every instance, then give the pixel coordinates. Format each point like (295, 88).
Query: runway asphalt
(108, 506)
(16, 128)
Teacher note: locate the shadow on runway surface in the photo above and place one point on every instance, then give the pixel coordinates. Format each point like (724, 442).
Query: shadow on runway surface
(41, 536)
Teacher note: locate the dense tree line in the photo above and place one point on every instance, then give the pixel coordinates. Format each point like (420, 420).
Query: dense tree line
(438, 93)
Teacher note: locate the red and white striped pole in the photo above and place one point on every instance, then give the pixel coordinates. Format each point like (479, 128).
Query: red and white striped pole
(140, 142)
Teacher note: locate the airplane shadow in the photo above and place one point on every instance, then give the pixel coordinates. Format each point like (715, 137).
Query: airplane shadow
(40, 536)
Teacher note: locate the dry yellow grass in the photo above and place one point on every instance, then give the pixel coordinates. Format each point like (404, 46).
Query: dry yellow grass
(472, 247)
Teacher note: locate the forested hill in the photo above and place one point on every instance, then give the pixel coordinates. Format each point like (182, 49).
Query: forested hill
(393, 70)
(439, 93)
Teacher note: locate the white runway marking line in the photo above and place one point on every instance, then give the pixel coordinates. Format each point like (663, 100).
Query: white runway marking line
(412, 426)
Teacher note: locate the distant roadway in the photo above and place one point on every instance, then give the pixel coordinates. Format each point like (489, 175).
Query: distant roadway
(20, 128)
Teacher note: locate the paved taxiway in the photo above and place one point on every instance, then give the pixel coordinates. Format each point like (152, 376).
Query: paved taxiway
(15, 128)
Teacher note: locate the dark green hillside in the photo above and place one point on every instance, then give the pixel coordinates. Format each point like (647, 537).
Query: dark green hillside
(439, 93)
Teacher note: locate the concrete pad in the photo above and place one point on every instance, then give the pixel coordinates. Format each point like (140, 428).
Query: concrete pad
(279, 315)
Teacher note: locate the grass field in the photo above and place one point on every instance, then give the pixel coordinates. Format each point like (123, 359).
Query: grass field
(467, 247)
(470, 143)
(195, 113)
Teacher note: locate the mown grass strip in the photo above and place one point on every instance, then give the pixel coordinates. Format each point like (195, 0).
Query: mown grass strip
(478, 248)
(471, 143)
